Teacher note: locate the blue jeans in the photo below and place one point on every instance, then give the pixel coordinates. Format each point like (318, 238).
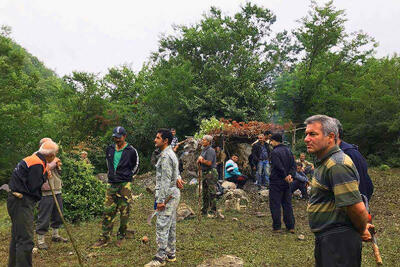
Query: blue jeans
(262, 173)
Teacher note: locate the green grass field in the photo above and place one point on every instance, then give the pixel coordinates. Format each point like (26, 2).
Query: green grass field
(249, 238)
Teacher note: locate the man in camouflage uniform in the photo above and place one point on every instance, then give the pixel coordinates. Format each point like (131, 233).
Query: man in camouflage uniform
(122, 162)
(207, 161)
(167, 197)
(337, 215)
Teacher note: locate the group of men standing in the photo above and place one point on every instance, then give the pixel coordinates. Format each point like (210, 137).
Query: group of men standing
(337, 214)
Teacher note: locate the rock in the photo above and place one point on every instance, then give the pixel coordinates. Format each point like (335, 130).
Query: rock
(145, 239)
(301, 237)
(264, 194)
(35, 250)
(151, 188)
(261, 214)
(228, 185)
(297, 193)
(193, 181)
(235, 219)
(184, 212)
(102, 177)
(224, 261)
(239, 193)
(232, 204)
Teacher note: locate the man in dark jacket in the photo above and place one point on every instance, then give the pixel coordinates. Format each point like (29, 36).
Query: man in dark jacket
(122, 162)
(365, 186)
(282, 170)
(25, 185)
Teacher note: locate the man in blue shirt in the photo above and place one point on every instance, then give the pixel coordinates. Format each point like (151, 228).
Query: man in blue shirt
(232, 173)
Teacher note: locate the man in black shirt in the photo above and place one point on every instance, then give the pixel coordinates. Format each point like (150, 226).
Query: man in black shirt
(25, 185)
(283, 169)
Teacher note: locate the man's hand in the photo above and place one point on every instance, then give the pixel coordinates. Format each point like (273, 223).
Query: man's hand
(180, 183)
(289, 179)
(160, 206)
(200, 159)
(366, 235)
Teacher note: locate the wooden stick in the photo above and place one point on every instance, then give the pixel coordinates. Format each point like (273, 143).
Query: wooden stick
(199, 199)
(66, 226)
(377, 254)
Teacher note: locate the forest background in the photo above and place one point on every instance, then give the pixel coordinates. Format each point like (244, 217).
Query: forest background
(223, 66)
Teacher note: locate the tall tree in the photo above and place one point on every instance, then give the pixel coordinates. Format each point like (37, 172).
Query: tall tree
(330, 59)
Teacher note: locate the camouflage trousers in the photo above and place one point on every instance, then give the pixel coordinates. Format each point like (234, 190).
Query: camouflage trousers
(209, 191)
(166, 229)
(118, 198)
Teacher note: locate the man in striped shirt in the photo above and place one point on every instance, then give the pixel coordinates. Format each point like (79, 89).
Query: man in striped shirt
(337, 215)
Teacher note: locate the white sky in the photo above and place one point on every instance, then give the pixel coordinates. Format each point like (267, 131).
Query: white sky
(94, 35)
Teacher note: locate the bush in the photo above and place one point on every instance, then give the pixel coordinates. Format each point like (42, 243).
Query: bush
(394, 162)
(384, 167)
(83, 193)
(374, 160)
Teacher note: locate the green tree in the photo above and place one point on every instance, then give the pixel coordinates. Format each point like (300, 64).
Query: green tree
(331, 58)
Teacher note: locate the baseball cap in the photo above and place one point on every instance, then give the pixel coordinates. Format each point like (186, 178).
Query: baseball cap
(119, 131)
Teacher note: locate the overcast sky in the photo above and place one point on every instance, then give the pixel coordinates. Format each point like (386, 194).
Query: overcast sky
(88, 35)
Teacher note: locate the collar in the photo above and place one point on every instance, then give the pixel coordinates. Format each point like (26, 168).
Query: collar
(333, 150)
(166, 149)
(42, 157)
(115, 147)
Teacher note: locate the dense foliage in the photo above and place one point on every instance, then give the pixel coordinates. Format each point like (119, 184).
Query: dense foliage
(83, 193)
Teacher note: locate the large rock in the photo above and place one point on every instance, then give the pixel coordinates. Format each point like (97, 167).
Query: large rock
(232, 204)
(184, 212)
(102, 177)
(224, 261)
(228, 185)
(235, 200)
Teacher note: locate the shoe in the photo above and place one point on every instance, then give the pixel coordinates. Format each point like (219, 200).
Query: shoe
(291, 231)
(42, 246)
(59, 239)
(102, 242)
(155, 262)
(171, 258)
(277, 231)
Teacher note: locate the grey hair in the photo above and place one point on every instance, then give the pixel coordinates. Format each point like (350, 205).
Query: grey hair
(48, 148)
(44, 140)
(340, 128)
(329, 125)
(209, 138)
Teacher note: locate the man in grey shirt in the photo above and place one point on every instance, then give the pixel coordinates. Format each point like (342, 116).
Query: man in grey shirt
(207, 162)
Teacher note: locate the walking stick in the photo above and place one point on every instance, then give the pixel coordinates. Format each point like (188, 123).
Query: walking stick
(199, 199)
(66, 226)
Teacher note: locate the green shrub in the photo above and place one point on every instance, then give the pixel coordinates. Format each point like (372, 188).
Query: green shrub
(374, 160)
(83, 193)
(384, 167)
(394, 162)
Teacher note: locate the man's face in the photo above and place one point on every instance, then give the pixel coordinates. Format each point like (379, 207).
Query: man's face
(205, 142)
(274, 143)
(120, 140)
(159, 142)
(235, 158)
(173, 132)
(302, 157)
(261, 138)
(315, 139)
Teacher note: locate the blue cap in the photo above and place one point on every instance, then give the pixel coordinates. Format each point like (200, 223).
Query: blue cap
(119, 131)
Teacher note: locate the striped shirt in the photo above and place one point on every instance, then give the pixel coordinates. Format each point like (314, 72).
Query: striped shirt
(334, 187)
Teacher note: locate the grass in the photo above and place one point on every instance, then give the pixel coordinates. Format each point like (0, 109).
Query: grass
(249, 238)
